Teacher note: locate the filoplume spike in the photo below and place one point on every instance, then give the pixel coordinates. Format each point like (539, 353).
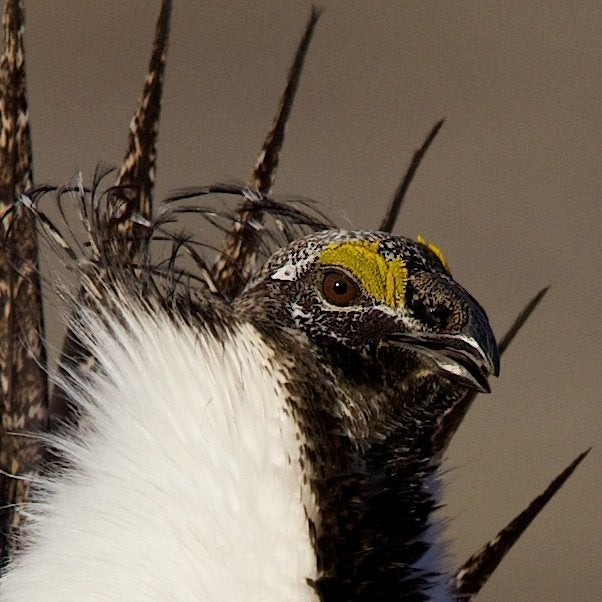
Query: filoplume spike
(23, 384)
(238, 258)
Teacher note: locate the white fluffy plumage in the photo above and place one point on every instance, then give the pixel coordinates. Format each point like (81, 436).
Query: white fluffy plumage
(188, 486)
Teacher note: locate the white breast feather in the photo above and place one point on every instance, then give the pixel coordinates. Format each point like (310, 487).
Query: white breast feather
(188, 486)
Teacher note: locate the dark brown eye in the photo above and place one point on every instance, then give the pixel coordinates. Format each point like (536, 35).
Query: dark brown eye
(339, 289)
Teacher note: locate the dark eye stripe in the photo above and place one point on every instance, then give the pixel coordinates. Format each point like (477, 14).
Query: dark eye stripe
(339, 289)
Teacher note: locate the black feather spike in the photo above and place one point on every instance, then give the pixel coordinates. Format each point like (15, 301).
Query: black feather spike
(238, 258)
(520, 320)
(392, 213)
(474, 573)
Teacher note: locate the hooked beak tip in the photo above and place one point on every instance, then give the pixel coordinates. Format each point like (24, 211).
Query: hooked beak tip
(461, 358)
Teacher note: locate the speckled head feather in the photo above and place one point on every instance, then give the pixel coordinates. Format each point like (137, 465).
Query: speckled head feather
(371, 290)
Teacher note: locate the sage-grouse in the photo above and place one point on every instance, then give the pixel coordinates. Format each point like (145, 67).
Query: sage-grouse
(265, 426)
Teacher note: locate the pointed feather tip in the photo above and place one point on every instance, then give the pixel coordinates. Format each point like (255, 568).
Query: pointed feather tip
(267, 162)
(144, 124)
(388, 222)
(470, 578)
(521, 319)
(15, 143)
(13, 12)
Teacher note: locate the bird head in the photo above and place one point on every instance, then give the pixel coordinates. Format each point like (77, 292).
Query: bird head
(370, 292)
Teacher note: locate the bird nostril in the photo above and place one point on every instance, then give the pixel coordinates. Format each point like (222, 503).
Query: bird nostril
(437, 317)
(440, 316)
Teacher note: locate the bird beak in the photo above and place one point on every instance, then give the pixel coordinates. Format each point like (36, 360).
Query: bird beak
(468, 357)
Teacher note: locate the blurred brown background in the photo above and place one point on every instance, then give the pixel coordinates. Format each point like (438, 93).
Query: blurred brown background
(511, 190)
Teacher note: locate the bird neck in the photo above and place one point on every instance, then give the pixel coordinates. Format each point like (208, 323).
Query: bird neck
(367, 454)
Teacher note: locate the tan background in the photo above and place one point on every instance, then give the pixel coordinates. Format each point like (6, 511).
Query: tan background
(511, 191)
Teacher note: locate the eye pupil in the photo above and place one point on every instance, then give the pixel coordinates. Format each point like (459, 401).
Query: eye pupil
(339, 288)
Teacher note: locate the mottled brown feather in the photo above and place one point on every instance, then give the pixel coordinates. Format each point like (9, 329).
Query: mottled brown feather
(24, 389)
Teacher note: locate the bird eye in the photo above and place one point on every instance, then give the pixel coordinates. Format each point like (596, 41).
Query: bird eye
(339, 288)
